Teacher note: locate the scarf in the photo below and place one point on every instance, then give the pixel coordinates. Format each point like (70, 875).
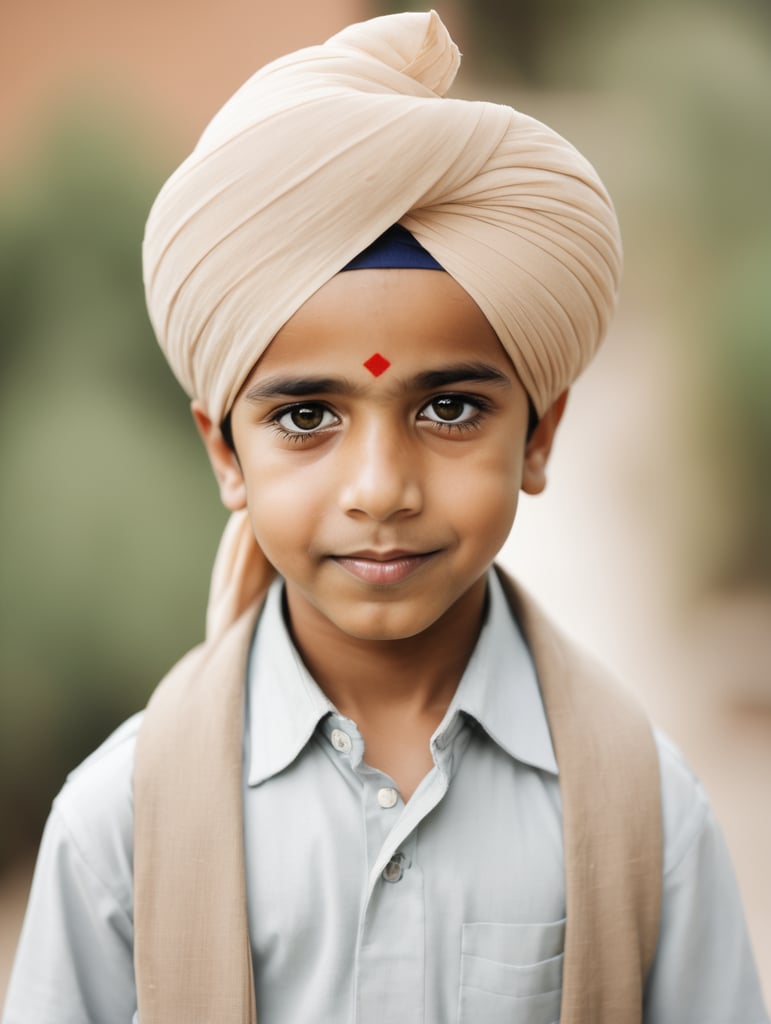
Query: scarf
(192, 952)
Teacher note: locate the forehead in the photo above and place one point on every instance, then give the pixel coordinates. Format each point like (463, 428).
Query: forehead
(412, 318)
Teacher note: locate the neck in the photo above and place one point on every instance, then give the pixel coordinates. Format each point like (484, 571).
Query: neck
(413, 675)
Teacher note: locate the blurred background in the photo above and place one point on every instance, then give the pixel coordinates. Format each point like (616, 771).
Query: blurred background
(653, 541)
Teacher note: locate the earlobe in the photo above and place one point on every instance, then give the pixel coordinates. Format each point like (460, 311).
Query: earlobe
(222, 458)
(539, 447)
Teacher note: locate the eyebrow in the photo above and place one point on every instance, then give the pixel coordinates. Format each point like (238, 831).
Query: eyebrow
(461, 373)
(297, 387)
(429, 380)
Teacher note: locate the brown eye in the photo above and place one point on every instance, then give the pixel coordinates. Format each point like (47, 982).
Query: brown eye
(449, 409)
(305, 418)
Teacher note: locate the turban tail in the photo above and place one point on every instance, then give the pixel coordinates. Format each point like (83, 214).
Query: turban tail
(310, 161)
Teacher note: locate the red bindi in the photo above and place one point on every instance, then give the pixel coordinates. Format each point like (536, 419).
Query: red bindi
(377, 364)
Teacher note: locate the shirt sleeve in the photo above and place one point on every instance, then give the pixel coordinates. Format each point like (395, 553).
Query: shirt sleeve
(704, 971)
(74, 961)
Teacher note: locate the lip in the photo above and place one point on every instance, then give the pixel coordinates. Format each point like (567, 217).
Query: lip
(383, 568)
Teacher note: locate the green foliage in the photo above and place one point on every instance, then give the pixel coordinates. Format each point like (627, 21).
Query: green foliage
(109, 516)
(739, 416)
(556, 42)
(516, 39)
(705, 80)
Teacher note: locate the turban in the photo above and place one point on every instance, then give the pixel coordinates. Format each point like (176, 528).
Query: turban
(321, 151)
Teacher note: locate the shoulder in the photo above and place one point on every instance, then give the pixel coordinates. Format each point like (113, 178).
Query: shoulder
(104, 778)
(95, 812)
(685, 808)
(704, 967)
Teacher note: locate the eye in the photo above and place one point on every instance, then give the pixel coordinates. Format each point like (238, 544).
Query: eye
(305, 418)
(450, 409)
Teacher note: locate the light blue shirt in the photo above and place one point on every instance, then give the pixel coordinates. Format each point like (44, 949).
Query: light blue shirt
(364, 910)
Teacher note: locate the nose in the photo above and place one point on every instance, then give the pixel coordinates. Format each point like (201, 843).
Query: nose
(380, 475)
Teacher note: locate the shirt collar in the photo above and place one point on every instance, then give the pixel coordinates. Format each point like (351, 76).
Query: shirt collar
(284, 704)
(499, 690)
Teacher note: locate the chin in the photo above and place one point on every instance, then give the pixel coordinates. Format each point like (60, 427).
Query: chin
(379, 625)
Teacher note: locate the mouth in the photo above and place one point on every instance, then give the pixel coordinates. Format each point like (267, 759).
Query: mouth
(383, 568)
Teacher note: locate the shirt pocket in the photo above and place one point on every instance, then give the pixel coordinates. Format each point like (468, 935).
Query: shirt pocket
(511, 973)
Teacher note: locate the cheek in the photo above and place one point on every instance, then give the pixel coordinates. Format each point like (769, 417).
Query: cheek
(494, 514)
(484, 492)
(279, 506)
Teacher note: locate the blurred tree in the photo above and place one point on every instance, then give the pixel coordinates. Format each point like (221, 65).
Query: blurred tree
(520, 36)
(515, 39)
(108, 519)
(738, 417)
(555, 42)
(703, 77)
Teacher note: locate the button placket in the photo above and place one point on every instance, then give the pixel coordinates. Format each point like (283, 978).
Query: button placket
(393, 938)
(394, 869)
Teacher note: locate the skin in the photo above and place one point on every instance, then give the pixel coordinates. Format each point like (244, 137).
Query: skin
(382, 501)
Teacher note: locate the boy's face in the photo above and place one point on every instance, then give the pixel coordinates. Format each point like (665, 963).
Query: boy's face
(381, 493)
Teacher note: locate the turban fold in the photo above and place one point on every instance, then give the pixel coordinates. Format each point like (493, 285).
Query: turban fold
(321, 151)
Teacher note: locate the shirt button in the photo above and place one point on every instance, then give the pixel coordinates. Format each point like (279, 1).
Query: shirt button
(341, 741)
(387, 797)
(394, 870)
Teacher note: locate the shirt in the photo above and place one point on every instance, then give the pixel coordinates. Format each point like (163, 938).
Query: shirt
(364, 910)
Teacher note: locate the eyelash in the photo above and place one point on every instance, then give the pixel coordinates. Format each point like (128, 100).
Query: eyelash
(476, 402)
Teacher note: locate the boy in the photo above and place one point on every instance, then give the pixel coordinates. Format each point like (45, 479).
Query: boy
(385, 789)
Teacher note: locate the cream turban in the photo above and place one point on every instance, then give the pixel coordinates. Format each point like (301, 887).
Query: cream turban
(321, 151)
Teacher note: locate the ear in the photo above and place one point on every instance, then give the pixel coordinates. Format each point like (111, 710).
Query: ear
(223, 459)
(539, 447)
